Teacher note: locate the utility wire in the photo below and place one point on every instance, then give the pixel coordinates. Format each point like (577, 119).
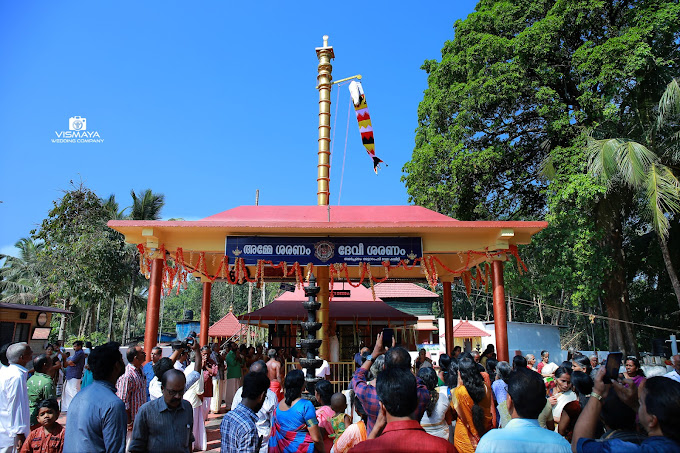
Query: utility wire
(568, 310)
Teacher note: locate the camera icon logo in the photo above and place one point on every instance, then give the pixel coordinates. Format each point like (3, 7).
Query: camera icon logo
(76, 123)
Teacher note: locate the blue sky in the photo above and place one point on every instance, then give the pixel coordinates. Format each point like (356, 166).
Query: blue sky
(205, 102)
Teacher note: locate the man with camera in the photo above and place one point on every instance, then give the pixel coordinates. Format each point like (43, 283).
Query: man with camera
(166, 364)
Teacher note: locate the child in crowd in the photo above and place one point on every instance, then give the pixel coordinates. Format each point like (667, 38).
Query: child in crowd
(340, 421)
(48, 437)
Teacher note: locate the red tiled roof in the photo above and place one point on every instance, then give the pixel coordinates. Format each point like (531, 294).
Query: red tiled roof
(225, 327)
(466, 330)
(403, 291)
(360, 306)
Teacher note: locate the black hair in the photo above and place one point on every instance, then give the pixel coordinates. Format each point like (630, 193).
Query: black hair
(544, 352)
(444, 362)
(396, 388)
(163, 365)
(293, 384)
(398, 357)
(562, 370)
(616, 414)
(519, 362)
(3, 354)
(662, 399)
(491, 365)
(50, 403)
(474, 384)
(429, 377)
(88, 344)
(489, 349)
(131, 353)
(636, 362)
(79, 343)
(503, 370)
(170, 373)
(254, 385)
(567, 364)
(581, 382)
(39, 362)
(452, 381)
(325, 390)
(358, 407)
(527, 390)
(456, 348)
(103, 359)
(583, 361)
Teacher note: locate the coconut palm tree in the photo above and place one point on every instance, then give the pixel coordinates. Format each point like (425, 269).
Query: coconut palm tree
(649, 169)
(146, 206)
(20, 278)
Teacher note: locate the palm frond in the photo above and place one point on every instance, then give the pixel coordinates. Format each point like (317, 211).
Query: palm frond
(669, 104)
(633, 160)
(663, 194)
(602, 159)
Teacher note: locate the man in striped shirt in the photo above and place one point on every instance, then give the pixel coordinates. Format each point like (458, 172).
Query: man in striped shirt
(131, 386)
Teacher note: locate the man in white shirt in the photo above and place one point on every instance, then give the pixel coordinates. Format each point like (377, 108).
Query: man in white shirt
(14, 410)
(264, 415)
(676, 364)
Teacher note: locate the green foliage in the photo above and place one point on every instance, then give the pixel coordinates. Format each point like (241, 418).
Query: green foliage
(501, 131)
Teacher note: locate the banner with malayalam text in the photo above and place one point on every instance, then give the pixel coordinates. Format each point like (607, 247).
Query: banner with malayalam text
(322, 251)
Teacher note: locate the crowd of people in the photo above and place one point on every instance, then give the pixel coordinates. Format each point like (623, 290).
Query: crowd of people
(467, 402)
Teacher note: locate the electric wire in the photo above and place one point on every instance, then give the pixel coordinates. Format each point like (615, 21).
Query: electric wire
(568, 310)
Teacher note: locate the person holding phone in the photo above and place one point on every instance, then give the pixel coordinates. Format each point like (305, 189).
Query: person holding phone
(657, 403)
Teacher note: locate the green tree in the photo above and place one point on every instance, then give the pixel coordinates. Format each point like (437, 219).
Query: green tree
(81, 256)
(21, 280)
(646, 169)
(511, 98)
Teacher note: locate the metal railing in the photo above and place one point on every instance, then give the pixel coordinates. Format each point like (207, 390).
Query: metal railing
(341, 373)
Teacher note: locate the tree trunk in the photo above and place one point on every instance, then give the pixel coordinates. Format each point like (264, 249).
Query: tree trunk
(669, 267)
(62, 323)
(250, 297)
(126, 327)
(558, 318)
(540, 310)
(621, 334)
(110, 333)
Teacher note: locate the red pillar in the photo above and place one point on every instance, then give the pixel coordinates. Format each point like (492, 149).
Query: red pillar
(205, 313)
(500, 315)
(448, 317)
(153, 307)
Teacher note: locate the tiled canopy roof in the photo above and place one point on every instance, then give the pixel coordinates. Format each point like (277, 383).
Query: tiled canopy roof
(403, 291)
(225, 327)
(466, 330)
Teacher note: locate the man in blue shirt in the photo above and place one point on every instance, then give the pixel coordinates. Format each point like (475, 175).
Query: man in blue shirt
(238, 430)
(156, 355)
(657, 402)
(97, 420)
(73, 375)
(526, 400)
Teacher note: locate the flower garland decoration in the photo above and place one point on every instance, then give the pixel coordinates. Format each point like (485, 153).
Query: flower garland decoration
(176, 269)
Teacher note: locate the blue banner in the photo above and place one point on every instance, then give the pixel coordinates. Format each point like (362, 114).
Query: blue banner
(322, 251)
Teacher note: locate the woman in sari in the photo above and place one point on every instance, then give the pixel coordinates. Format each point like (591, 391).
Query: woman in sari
(355, 433)
(562, 394)
(324, 414)
(438, 414)
(472, 403)
(295, 428)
